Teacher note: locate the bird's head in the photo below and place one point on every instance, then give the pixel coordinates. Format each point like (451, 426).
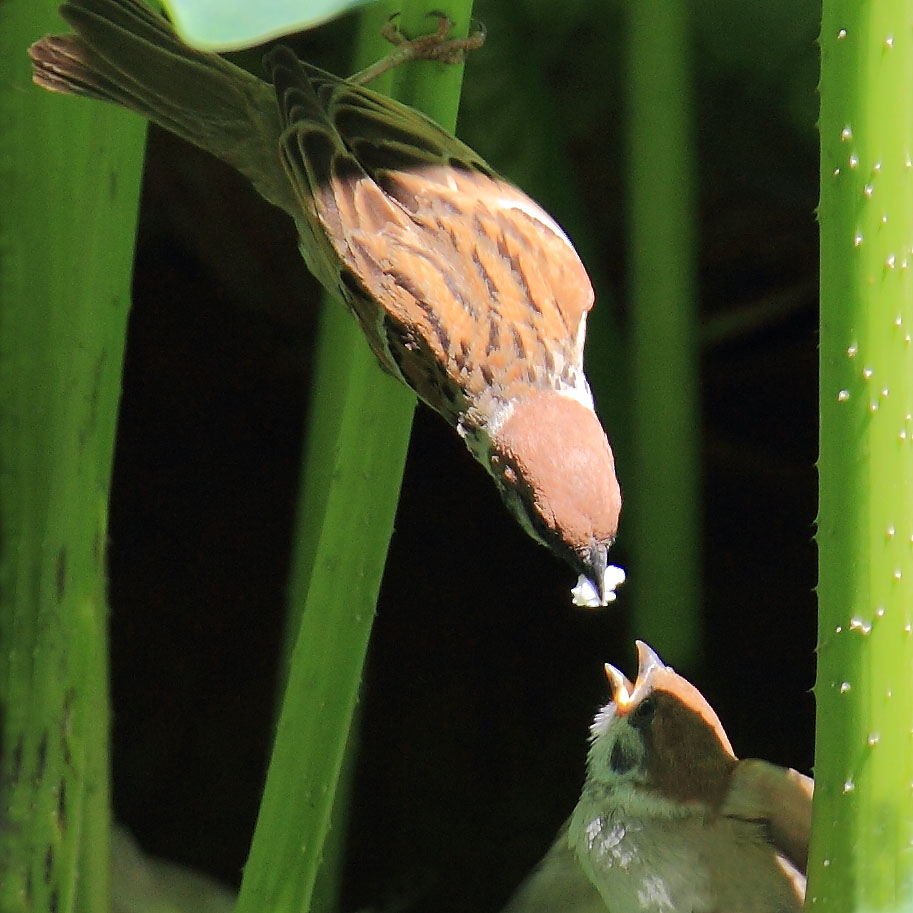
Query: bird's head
(658, 746)
(554, 467)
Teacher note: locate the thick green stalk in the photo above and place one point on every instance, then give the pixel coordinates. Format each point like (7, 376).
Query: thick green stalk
(863, 815)
(662, 513)
(338, 343)
(69, 180)
(356, 453)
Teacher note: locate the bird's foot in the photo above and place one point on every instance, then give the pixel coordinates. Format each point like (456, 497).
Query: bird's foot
(435, 46)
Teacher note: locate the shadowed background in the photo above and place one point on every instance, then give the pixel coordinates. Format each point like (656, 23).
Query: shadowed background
(482, 679)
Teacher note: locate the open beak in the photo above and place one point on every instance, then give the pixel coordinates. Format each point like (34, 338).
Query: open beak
(624, 694)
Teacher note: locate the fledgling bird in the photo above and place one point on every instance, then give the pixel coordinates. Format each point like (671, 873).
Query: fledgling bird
(669, 821)
(465, 288)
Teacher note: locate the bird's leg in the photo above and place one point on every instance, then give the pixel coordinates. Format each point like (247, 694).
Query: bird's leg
(436, 46)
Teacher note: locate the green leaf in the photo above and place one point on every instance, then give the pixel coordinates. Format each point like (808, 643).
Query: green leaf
(225, 25)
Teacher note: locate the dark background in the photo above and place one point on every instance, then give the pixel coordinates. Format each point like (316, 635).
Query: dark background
(481, 680)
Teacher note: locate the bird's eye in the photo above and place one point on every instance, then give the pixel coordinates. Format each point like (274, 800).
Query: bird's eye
(622, 758)
(642, 715)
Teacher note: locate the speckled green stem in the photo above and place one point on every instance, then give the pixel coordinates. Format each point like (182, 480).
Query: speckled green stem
(355, 457)
(69, 182)
(661, 519)
(862, 845)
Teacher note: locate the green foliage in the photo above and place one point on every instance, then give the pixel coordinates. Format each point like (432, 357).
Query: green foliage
(664, 512)
(69, 176)
(864, 756)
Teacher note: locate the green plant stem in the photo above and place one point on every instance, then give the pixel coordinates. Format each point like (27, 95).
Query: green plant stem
(69, 181)
(662, 513)
(355, 455)
(863, 811)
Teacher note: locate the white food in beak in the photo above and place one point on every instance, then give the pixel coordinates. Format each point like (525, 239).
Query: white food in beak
(585, 593)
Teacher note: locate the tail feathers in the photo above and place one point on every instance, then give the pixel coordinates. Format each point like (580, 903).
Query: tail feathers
(309, 140)
(123, 53)
(58, 66)
(311, 151)
(293, 82)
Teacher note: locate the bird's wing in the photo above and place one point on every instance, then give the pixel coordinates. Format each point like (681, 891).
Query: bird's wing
(511, 287)
(558, 884)
(463, 264)
(779, 797)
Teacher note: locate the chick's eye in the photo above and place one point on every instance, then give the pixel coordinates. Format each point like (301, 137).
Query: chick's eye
(642, 715)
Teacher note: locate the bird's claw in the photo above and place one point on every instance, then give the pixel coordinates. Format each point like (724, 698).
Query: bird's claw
(434, 46)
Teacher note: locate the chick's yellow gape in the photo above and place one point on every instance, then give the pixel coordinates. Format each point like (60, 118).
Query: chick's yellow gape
(465, 288)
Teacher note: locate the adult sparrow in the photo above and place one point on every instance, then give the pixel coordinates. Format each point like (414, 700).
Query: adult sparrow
(669, 821)
(465, 288)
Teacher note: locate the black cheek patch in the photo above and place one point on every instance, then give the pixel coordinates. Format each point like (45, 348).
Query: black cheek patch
(622, 758)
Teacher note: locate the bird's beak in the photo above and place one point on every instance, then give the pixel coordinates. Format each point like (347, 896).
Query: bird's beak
(624, 694)
(599, 561)
(621, 687)
(648, 661)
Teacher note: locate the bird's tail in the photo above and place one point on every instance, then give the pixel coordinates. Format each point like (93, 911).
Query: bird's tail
(123, 52)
